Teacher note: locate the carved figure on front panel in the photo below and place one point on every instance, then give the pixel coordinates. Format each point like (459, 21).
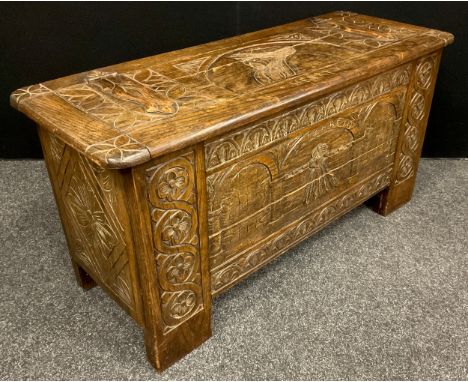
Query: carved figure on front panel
(323, 180)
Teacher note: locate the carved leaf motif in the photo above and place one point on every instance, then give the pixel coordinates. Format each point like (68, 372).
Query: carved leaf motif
(227, 149)
(118, 149)
(30, 91)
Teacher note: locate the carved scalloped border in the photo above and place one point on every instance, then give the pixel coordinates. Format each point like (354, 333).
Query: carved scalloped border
(240, 143)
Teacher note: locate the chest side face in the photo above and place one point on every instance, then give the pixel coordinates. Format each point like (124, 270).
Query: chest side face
(90, 201)
(273, 183)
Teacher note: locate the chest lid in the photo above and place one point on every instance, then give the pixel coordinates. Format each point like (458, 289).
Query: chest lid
(124, 115)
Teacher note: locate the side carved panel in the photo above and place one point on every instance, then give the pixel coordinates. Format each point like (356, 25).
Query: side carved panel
(95, 233)
(417, 114)
(172, 198)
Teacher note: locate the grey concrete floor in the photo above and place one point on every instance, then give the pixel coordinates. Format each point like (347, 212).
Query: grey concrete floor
(367, 298)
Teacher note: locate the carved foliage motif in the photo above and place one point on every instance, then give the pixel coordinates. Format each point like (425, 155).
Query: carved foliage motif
(414, 125)
(172, 199)
(253, 259)
(355, 31)
(30, 91)
(237, 144)
(119, 149)
(95, 232)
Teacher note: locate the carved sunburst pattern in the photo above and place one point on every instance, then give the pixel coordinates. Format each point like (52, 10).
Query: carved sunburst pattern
(90, 218)
(93, 228)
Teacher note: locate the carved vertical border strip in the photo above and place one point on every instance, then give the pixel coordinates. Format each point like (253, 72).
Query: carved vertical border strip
(172, 198)
(414, 127)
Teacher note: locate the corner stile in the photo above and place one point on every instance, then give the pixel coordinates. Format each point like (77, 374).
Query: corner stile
(168, 204)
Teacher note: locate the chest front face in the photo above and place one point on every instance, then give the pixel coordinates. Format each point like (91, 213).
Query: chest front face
(273, 183)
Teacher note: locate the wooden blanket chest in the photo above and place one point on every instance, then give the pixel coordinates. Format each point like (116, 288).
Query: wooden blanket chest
(178, 175)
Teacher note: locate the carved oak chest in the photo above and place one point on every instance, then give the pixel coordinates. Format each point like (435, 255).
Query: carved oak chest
(178, 175)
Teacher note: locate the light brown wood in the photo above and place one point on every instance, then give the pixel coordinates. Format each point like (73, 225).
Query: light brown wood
(418, 102)
(176, 176)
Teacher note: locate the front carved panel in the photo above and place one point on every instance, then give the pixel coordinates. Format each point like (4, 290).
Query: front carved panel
(274, 183)
(172, 199)
(95, 234)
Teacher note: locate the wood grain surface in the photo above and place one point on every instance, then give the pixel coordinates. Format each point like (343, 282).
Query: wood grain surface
(123, 115)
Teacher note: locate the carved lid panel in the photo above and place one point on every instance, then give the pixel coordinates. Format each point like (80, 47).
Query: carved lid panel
(125, 114)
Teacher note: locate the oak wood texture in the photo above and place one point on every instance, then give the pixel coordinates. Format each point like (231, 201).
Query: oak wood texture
(176, 176)
(123, 115)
